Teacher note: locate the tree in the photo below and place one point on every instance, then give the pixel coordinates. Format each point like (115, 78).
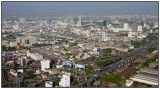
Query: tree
(113, 78)
(30, 75)
(104, 63)
(89, 69)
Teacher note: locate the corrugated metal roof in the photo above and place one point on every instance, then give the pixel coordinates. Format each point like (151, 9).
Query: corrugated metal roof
(149, 70)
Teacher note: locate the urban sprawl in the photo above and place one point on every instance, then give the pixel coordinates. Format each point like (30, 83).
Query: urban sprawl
(80, 51)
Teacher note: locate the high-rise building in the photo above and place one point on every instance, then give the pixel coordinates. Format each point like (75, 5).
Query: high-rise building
(103, 35)
(45, 64)
(79, 21)
(65, 80)
(105, 23)
(126, 26)
(23, 61)
(156, 24)
(139, 28)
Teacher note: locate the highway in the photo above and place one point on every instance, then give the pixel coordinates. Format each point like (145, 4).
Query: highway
(125, 59)
(122, 61)
(101, 59)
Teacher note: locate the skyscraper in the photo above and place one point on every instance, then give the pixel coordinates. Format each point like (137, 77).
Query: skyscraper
(126, 26)
(105, 23)
(79, 21)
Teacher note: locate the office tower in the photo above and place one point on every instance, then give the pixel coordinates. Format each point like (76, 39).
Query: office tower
(79, 21)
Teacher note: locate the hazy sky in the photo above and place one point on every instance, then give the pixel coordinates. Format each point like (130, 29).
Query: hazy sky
(77, 8)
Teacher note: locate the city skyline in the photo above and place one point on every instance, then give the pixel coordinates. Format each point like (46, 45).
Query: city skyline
(80, 44)
(10, 9)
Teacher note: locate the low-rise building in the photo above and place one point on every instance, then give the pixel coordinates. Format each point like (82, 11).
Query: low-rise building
(49, 84)
(128, 83)
(147, 79)
(153, 64)
(147, 75)
(13, 72)
(80, 66)
(132, 34)
(149, 71)
(26, 40)
(13, 44)
(5, 43)
(34, 56)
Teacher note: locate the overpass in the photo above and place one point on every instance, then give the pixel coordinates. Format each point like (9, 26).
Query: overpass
(125, 59)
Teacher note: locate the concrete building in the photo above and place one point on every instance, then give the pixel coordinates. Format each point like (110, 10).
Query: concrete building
(86, 55)
(38, 71)
(132, 34)
(34, 56)
(79, 21)
(104, 35)
(22, 19)
(80, 66)
(147, 79)
(149, 70)
(126, 26)
(20, 70)
(45, 65)
(96, 50)
(153, 64)
(13, 44)
(23, 62)
(5, 43)
(13, 72)
(49, 84)
(65, 80)
(147, 76)
(128, 83)
(87, 33)
(59, 66)
(67, 63)
(131, 47)
(105, 23)
(26, 40)
(156, 24)
(139, 28)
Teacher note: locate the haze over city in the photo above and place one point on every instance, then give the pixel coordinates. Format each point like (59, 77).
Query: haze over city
(80, 44)
(78, 8)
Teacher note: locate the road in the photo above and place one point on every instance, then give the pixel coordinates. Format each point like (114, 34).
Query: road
(125, 59)
(101, 59)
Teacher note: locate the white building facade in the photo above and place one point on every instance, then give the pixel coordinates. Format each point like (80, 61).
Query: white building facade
(65, 80)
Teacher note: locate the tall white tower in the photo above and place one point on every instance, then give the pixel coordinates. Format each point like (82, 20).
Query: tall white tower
(103, 35)
(156, 24)
(65, 80)
(79, 21)
(139, 28)
(45, 64)
(126, 26)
